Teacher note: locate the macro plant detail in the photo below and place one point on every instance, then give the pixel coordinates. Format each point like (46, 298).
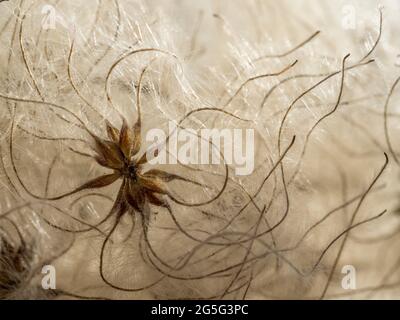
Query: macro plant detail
(82, 85)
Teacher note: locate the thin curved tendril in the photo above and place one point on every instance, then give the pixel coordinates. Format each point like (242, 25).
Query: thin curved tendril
(255, 78)
(284, 54)
(299, 76)
(385, 117)
(325, 116)
(304, 93)
(102, 265)
(377, 39)
(342, 246)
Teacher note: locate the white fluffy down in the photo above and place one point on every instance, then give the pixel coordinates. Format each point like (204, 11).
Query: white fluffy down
(321, 197)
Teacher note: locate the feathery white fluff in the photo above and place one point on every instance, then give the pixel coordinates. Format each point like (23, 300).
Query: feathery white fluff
(224, 55)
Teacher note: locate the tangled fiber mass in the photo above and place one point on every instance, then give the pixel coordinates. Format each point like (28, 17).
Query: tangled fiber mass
(83, 82)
